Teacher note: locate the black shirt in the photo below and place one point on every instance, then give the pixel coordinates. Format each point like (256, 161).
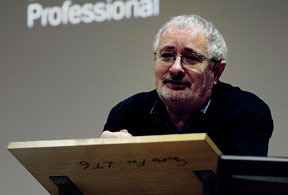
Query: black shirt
(238, 122)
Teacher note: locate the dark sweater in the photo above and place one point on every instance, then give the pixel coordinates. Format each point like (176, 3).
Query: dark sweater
(238, 122)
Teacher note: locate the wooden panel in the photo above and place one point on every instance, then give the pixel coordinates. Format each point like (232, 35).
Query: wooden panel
(137, 165)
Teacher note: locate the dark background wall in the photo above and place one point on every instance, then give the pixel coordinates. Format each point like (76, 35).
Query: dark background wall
(59, 82)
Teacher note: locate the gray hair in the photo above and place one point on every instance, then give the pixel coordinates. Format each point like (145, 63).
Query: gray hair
(217, 49)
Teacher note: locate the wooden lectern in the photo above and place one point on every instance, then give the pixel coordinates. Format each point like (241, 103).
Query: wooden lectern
(166, 164)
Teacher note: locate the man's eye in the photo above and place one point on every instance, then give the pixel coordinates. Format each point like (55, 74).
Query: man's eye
(192, 58)
(167, 55)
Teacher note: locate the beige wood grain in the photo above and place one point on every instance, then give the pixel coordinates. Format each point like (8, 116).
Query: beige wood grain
(137, 165)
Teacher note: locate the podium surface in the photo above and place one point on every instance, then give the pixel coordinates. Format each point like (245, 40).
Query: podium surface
(162, 164)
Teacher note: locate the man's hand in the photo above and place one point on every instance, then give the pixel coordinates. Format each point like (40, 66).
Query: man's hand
(109, 134)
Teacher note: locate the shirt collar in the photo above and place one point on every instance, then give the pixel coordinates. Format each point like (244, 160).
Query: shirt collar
(204, 109)
(153, 109)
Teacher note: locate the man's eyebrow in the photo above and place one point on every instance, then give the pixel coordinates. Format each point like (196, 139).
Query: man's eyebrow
(190, 50)
(167, 48)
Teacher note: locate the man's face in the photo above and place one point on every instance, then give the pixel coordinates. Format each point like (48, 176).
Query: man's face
(178, 85)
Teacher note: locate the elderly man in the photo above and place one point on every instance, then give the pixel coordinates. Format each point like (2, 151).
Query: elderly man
(189, 58)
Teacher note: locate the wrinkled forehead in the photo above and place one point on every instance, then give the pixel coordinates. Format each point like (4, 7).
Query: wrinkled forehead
(180, 39)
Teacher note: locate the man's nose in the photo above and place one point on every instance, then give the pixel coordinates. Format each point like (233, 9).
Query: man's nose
(176, 68)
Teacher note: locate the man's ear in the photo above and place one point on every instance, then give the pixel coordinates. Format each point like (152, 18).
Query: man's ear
(218, 70)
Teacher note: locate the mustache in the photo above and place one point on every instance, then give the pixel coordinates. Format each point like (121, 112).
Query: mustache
(176, 80)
